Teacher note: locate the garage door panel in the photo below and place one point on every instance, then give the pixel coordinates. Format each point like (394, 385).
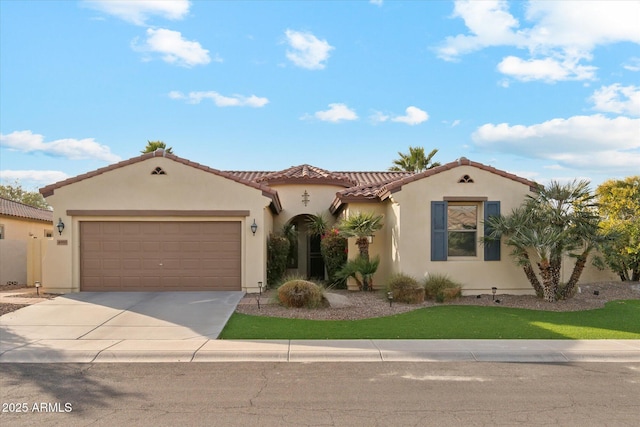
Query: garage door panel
(172, 256)
(132, 246)
(132, 264)
(112, 264)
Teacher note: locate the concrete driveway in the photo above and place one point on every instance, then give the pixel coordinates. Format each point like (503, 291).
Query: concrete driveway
(122, 316)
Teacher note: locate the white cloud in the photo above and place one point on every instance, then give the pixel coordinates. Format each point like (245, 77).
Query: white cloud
(138, 11)
(379, 117)
(307, 51)
(489, 23)
(413, 116)
(221, 100)
(579, 142)
(173, 48)
(633, 64)
(36, 176)
(74, 149)
(618, 99)
(336, 113)
(547, 69)
(561, 34)
(376, 2)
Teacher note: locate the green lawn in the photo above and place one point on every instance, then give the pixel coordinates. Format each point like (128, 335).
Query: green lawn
(617, 320)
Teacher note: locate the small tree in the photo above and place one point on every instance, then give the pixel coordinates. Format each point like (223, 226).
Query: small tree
(619, 203)
(16, 193)
(156, 145)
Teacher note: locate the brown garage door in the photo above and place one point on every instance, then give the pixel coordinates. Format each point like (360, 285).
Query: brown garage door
(159, 256)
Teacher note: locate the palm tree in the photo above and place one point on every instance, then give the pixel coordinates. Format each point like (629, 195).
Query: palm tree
(415, 160)
(510, 228)
(155, 145)
(559, 220)
(572, 211)
(361, 226)
(361, 270)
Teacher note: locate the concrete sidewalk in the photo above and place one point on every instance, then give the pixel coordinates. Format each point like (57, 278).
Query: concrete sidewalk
(204, 350)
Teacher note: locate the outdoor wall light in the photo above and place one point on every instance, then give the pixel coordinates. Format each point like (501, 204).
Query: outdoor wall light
(60, 226)
(493, 291)
(254, 227)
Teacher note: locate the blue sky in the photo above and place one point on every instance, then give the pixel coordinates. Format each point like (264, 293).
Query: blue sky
(546, 90)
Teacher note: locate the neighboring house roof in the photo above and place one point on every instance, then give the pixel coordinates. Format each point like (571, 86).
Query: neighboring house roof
(20, 210)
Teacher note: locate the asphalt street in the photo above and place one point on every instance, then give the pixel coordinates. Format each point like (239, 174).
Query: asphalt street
(316, 394)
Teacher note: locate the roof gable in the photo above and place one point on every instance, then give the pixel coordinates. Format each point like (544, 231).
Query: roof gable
(462, 161)
(20, 210)
(266, 191)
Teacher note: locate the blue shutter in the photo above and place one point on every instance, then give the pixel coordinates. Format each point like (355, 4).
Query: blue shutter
(491, 249)
(438, 231)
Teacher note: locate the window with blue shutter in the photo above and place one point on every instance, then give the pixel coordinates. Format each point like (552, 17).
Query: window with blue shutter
(438, 231)
(491, 249)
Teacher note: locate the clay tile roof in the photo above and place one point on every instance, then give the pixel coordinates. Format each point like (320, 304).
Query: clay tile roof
(20, 210)
(307, 174)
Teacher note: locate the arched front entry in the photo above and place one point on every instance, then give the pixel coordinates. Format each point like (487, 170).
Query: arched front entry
(305, 257)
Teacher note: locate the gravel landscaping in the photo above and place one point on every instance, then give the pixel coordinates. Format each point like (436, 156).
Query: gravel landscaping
(374, 304)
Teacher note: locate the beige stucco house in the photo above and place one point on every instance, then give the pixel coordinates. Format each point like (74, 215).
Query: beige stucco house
(22, 229)
(160, 222)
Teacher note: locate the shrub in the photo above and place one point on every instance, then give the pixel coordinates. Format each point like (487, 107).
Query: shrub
(300, 293)
(362, 271)
(441, 288)
(294, 275)
(277, 253)
(405, 289)
(334, 253)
